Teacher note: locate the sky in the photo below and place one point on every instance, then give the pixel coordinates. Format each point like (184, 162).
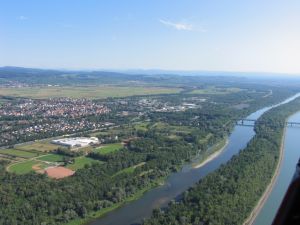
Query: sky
(207, 35)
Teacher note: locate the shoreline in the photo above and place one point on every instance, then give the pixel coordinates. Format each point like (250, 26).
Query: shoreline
(99, 214)
(258, 207)
(212, 156)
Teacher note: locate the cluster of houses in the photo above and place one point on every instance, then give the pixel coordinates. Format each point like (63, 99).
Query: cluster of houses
(63, 107)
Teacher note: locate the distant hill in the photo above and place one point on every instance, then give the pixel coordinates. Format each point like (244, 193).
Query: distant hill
(32, 76)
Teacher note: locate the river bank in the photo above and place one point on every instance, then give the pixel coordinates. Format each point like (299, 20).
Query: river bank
(264, 197)
(101, 213)
(212, 156)
(139, 194)
(250, 220)
(181, 181)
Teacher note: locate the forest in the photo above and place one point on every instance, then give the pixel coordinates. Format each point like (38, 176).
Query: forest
(168, 141)
(228, 195)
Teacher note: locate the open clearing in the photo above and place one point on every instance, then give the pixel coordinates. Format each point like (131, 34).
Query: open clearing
(51, 158)
(215, 91)
(18, 153)
(80, 162)
(42, 146)
(129, 169)
(92, 92)
(109, 148)
(27, 166)
(59, 172)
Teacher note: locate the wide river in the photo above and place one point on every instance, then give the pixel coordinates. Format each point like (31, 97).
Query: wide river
(288, 167)
(134, 212)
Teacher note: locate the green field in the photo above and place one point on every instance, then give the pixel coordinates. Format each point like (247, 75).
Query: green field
(109, 148)
(141, 126)
(51, 158)
(215, 91)
(92, 92)
(80, 162)
(172, 129)
(26, 167)
(42, 146)
(129, 169)
(18, 153)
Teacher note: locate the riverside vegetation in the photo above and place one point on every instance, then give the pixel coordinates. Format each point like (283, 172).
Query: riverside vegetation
(228, 195)
(159, 143)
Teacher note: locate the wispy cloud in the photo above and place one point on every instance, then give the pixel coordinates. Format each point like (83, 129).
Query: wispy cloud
(177, 26)
(23, 18)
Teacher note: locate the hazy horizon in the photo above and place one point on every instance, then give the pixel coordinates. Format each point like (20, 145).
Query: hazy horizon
(229, 36)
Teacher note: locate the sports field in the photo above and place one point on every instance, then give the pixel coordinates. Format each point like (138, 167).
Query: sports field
(27, 166)
(92, 92)
(109, 148)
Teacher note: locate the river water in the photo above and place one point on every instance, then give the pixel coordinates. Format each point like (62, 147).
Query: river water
(290, 158)
(133, 212)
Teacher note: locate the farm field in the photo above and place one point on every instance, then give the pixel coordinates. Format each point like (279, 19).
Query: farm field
(92, 92)
(19, 153)
(109, 148)
(215, 91)
(43, 146)
(80, 162)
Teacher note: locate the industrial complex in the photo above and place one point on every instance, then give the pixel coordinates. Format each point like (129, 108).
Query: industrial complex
(76, 142)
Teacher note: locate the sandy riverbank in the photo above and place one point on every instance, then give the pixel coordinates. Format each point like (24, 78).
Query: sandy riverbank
(212, 156)
(250, 220)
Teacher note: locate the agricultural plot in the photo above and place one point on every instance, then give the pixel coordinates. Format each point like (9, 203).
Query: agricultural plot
(215, 91)
(92, 92)
(42, 146)
(19, 153)
(109, 148)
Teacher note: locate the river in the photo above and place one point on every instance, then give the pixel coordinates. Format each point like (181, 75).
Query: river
(133, 212)
(290, 158)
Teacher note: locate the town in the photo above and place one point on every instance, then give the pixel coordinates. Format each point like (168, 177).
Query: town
(28, 119)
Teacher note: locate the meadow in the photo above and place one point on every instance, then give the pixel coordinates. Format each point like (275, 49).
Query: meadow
(19, 153)
(43, 146)
(51, 158)
(109, 148)
(91, 92)
(80, 162)
(26, 166)
(211, 90)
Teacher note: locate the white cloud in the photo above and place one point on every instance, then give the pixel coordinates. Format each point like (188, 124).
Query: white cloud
(23, 18)
(177, 26)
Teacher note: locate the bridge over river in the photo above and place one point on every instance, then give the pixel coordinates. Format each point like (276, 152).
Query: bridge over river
(252, 122)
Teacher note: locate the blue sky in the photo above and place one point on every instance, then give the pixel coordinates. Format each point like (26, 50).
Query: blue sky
(225, 35)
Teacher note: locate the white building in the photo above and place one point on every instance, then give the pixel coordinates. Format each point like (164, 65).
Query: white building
(76, 141)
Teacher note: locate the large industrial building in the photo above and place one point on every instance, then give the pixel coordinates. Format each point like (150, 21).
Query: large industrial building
(76, 142)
